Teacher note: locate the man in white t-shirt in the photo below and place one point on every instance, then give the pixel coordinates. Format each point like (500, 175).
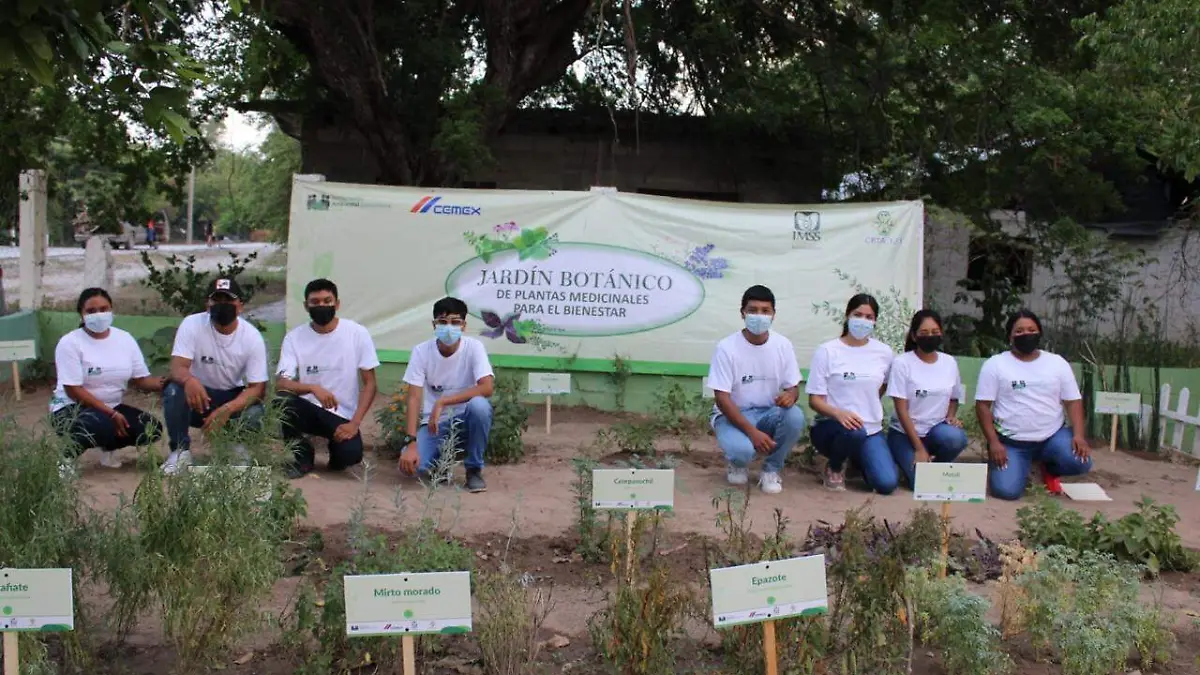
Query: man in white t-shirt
(218, 372)
(449, 382)
(755, 380)
(326, 382)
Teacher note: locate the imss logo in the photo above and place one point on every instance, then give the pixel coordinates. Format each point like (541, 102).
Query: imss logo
(806, 228)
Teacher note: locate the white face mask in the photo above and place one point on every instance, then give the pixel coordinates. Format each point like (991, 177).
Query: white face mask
(98, 322)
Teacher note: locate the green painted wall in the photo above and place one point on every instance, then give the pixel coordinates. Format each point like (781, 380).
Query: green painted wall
(590, 388)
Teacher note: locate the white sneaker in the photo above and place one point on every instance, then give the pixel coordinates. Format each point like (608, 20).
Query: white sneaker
(770, 482)
(737, 476)
(177, 461)
(109, 460)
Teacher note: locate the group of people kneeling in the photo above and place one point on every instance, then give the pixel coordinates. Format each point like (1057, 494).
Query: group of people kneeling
(325, 383)
(1019, 401)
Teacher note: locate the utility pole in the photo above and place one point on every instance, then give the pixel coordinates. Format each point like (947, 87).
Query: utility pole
(191, 203)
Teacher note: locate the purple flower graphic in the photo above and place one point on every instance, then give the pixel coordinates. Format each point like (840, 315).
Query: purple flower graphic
(700, 264)
(510, 226)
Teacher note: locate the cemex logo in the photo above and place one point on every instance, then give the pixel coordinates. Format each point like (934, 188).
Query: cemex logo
(432, 205)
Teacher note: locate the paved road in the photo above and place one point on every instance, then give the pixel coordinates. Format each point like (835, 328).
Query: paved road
(13, 252)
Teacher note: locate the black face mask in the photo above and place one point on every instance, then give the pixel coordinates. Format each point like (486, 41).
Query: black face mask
(929, 343)
(222, 313)
(321, 315)
(1027, 343)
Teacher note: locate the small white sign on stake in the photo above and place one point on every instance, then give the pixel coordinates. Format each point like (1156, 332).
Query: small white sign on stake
(950, 482)
(14, 351)
(1117, 403)
(549, 385)
(41, 601)
(633, 489)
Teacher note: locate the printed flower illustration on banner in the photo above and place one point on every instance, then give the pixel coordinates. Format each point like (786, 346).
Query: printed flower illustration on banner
(895, 311)
(701, 263)
(530, 244)
(513, 329)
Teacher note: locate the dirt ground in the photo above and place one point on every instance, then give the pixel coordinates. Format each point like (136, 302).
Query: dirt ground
(536, 496)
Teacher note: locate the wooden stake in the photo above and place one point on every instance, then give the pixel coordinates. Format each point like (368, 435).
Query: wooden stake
(410, 655)
(1112, 439)
(16, 378)
(12, 659)
(945, 540)
(770, 655)
(630, 548)
(548, 399)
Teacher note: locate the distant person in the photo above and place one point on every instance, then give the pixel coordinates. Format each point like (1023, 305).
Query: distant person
(450, 381)
(95, 364)
(326, 382)
(218, 372)
(756, 381)
(209, 238)
(926, 390)
(1020, 408)
(845, 383)
(151, 234)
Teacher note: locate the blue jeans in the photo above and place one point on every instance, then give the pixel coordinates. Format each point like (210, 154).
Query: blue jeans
(472, 427)
(785, 425)
(944, 442)
(1055, 452)
(869, 452)
(180, 418)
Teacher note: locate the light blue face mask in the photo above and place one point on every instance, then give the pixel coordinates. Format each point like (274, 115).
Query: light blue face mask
(447, 334)
(859, 328)
(758, 324)
(98, 322)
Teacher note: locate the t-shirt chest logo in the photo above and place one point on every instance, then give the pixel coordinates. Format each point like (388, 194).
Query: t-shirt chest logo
(312, 370)
(208, 360)
(848, 377)
(1018, 385)
(922, 393)
(95, 371)
(751, 379)
(437, 388)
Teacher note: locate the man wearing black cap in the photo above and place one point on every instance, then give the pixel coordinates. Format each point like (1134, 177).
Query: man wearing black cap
(218, 372)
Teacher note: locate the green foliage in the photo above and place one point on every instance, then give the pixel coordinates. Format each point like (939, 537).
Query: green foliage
(205, 547)
(593, 539)
(392, 419)
(683, 414)
(157, 348)
(247, 190)
(629, 437)
(636, 633)
(801, 641)
(510, 419)
(953, 620)
(184, 289)
(895, 311)
(1146, 537)
(621, 372)
(1083, 608)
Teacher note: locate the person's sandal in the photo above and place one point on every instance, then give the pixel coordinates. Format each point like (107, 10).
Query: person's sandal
(835, 481)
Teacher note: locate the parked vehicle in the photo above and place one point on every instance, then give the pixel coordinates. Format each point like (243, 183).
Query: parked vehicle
(130, 236)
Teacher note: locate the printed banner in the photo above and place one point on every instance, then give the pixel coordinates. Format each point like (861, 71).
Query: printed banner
(568, 280)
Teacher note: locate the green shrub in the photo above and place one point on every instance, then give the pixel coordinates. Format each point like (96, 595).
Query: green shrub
(682, 414)
(184, 289)
(628, 437)
(392, 419)
(1146, 537)
(510, 419)
(953, 620)
(1083, 609)
(511, 612)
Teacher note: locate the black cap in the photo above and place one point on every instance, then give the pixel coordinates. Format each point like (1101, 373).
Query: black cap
(224, 286)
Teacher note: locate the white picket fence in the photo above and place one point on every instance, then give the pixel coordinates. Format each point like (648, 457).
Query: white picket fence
(1179, 419)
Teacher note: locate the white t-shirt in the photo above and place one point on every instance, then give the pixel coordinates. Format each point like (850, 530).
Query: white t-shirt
(102, 367)
(331, 361)
(928, 388)
(446, 375)
(753, 375)
(220, 361)
(1027, 395)
(850, 378)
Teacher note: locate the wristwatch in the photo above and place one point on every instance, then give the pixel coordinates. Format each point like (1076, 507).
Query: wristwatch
(406, 440)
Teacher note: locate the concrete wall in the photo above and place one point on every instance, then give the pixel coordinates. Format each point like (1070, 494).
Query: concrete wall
(1170, 279)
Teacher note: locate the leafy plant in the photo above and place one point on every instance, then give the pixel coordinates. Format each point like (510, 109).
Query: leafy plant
(1146, 536)
(510, 419)
(682, 414)
(620, 375)
(953, 620)
(593, 538)
(184, 289)
(157, 348)
(628, 437)
(392, 420)
(1083, 608)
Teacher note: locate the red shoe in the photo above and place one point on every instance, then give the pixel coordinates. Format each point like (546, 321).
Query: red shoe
(1052, 482)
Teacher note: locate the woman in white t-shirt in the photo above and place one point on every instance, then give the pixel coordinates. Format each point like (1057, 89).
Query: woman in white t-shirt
(926, 389)
(1020, 403)
(95, 363)
(845, 382)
